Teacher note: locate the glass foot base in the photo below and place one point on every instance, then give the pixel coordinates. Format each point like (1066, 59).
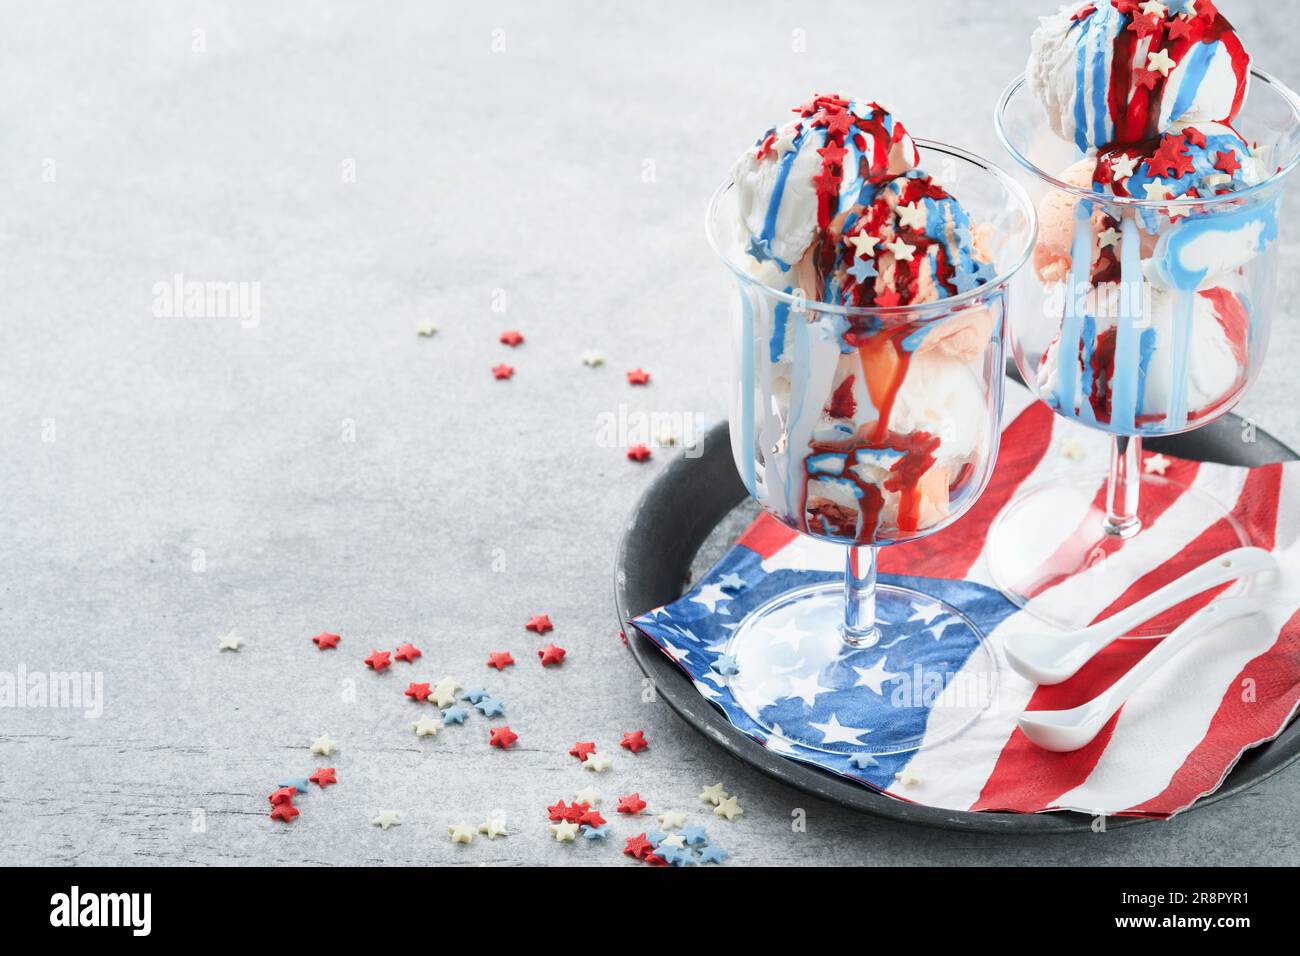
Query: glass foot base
(926, 679)
(1055, 531)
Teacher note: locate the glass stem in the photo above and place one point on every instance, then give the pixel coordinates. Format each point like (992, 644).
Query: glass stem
(860, 628)
(1123, 486)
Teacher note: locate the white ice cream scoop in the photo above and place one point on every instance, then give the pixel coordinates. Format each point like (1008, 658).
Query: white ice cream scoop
(1063, 731)
(1053, 658)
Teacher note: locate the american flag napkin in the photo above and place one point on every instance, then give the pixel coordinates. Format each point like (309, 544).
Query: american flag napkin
(1171, 744)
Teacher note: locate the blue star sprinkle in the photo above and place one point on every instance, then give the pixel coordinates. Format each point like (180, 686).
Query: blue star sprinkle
(655, 837)
(681, 858)
(863, 761)
(965, 281)
(490, 707)
(863, 269)
(455, 714)
(726, 665)
(669, 854)
(595, 833)
(986, 271)
(298, 783)
(695, 835)
(760, 249)
(474, 695)
(712, 854)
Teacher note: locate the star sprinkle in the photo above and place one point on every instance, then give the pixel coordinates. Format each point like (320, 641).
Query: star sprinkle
(1122, 166)
(283, 795)
(861, 761)
(638, 376)
(674, 842)
(551, 655)
(427, 726)
(511, 338)
(713, 794)
(1194, 136)
(911, 216)
(407, 652)
(444, 692)
(863, 245)
(1180, 29)
(323, 745)
(285, 811)
(558, 811)
(591, 358)
(671, 819)
(228, 642)
(493, 827)
(474, 695)
(454, 715)
(907, 778)
(298, 783)
(712, 854)
(386, 819)
(1154, 8)
(323, 777)
(638, 452)
(539, 624)
(634, 740)
(490, 707)
(582, 749)
(1145, 26)
(729, 808)
(419, 692)
(588, 797)
(638, 847)
(726, 665)
(1157, 190)
(632, 804)
(1161, 62)
(377, 660)
(1227, 162)
(1073, 450)
(502, 737)
(597, 762)
(901, 250)
(426, 329)
(695, 835)
(1157, 464)
(1110, 237)
(592, 818)
(595, 833)
(564, 832)
(500, 660)
(502, 371)
(325, 640)
(862, 270)
(759, 249)
(460, 833)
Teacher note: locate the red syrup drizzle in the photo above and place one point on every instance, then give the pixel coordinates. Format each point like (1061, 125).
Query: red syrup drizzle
(1135, 111)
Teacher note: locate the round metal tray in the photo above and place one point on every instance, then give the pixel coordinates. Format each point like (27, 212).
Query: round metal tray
(702, 499)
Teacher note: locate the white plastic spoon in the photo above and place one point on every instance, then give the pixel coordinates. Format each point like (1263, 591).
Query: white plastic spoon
(1065, 730)
(1053, 658)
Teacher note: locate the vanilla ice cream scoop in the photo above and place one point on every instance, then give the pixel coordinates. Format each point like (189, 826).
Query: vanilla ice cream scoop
(799, 177)
(1119, 71)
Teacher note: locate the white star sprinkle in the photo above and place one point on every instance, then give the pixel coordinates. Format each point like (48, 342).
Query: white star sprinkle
(228, 642)
(671, 819)
(1154, 8)
(911, 216)
(588, 796)
(1122, 167)
(386, 819)
(444, 692)
(1160, 61)
(729, 808)
(460, 833)
(1072, 449)
(907, 778)
(591, 358)
(323, 745)
(494, 827)
(426, 329)
(1158, 190)
(1110, 237)
(1157, 464)
(564, 831)
(427, 727)
(597, 762)
(863, 245)
(676, 841)
(901, 250)
(713, 794)
(784, 143)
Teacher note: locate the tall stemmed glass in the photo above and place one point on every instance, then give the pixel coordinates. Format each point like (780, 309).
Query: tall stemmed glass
(866, 427)
(1141, 317)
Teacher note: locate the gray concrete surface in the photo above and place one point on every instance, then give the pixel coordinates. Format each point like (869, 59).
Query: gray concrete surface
(167, 479)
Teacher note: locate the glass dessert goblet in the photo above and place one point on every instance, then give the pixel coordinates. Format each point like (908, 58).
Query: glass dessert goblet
(1142, 316)
(865, 427)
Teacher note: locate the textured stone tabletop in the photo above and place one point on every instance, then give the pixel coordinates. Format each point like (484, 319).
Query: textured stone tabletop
(366, 168)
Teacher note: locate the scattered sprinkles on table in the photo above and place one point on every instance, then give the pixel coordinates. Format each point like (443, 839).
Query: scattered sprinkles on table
(631, 804)
(502, 737)
(551, 655)
(502, 371)
(638, 452)
(511, 338)
(634, 740)
(325, 640)
(408, 653)
(229, 641)
(500, 660)
(638, 376)
(378, 660)
(539, 624)
(582, 748)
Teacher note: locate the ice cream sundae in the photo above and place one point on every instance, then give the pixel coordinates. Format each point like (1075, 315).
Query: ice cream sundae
(1153, 301)
(873, 420)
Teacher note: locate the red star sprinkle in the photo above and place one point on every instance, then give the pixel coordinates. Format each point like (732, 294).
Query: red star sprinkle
(323, 777)
(838, 120)
(638, 376)
(551, 655)
(283, 795)
(1172, 159)
(833, 153)
(511, 338)
(574, 812)
(638, 452)
(1227, 162)
(654, 859)
(284, 811)
(581, 749)
(1083, 12)
(418, 691)
(502, 737)
(634, 740)
(539, 624)
(1147, 78)
(631, 804)
(325, 640)
(557, 811)
(408, 653)
(827, 184)
(502, 371)
(888, 299)
(1180, 29)
(638, 847)
(1146, 25)
(378, 660)
(500, 660)
(1126, 6)
(1195, 136)
(592, 818)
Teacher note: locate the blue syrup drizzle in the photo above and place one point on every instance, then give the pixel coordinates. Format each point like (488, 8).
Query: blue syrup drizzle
(1067, 353)
(1128, 367)
(747, 389)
